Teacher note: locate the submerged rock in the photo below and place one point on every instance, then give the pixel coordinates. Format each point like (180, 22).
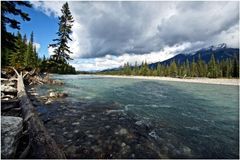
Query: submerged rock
(34, 94)
(52, 94)
(57, 82)
(48, 101)
(153, 134)
(10, 132)
(186, 150)
(123, 131)
(57, 95)
(113, 111)
(75, 123)
(123, 144)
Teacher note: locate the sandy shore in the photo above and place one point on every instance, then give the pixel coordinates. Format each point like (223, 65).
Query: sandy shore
(222, 81)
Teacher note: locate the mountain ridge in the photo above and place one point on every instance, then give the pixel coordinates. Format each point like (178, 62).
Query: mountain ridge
(220, 52)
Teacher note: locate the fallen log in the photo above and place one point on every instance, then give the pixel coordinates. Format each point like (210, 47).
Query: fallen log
(9, 104)
(42, 145)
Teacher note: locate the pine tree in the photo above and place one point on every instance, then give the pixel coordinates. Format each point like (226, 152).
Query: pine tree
(25, 49)
(158, 69)
(193, 68)
(44, 58)
(30, 58)
(212, 69)
(65, 24)
(35, 58)
(187, 66)
(127, 69)
(136, 68)
(200, 67)
(17, 57)
(8, 39)
(173, 69)
(145, 69)
(235, 72)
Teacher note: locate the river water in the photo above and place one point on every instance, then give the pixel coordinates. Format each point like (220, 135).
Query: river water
(132, 118)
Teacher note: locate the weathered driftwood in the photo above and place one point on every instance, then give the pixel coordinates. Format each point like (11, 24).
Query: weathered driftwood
(42, 144)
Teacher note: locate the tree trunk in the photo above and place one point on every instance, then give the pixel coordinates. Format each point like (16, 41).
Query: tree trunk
(42, 144)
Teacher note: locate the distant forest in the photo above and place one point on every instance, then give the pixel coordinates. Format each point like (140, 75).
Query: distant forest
(228, 68)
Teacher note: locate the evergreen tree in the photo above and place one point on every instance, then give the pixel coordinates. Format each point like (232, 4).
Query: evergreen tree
(35, 54)
(127, 69)
(145, 69)
(173, 69)
(65, 24)
(9, 8)
(193, 68)
(200, 67)
(136, 68)
(235, 72)
(212, 68)
(158, 69)
(187, 68)
(17, 57)
(30, 57)
(44, 58)
(25, 49)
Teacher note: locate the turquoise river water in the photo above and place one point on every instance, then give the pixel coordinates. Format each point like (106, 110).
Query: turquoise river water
(132, 118)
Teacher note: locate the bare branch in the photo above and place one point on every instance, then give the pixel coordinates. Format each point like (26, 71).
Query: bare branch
(25, 74)
(15, 71)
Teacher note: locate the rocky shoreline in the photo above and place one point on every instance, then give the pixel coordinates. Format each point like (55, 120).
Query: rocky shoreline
(15, 132)
(11, 120)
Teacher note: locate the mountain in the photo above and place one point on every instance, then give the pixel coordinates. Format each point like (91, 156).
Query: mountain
(220, 52)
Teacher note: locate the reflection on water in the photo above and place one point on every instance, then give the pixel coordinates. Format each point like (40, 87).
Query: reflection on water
(126, 118)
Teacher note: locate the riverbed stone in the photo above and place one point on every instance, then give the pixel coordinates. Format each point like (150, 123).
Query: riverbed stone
(123, 131)
(62, 95)
(48, 101)
(34, 94)
(11, 128)
(52, 94)
(75, 123)
(123, 144)
(107, 126)
(76, 131)
(186, 150)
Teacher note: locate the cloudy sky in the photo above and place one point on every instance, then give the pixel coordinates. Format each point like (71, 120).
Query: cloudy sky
(109, 34)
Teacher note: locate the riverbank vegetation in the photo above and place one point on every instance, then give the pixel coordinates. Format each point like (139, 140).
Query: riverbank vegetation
(228, 68)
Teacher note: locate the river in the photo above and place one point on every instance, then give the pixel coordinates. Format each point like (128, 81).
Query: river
(133, 118)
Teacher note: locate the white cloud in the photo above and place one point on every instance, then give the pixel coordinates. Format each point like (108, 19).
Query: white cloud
(37, 45)
(50, 51)
(112, 61)
(50, 8)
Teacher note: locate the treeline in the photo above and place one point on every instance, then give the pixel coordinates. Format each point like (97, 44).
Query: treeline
(24, 54)
(21, 53)
(197, 68)
(50, 65)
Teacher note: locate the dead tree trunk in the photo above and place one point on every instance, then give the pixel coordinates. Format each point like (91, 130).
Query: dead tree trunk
(41, 143)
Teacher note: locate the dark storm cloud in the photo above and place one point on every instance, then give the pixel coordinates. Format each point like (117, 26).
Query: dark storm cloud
(199, 21)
